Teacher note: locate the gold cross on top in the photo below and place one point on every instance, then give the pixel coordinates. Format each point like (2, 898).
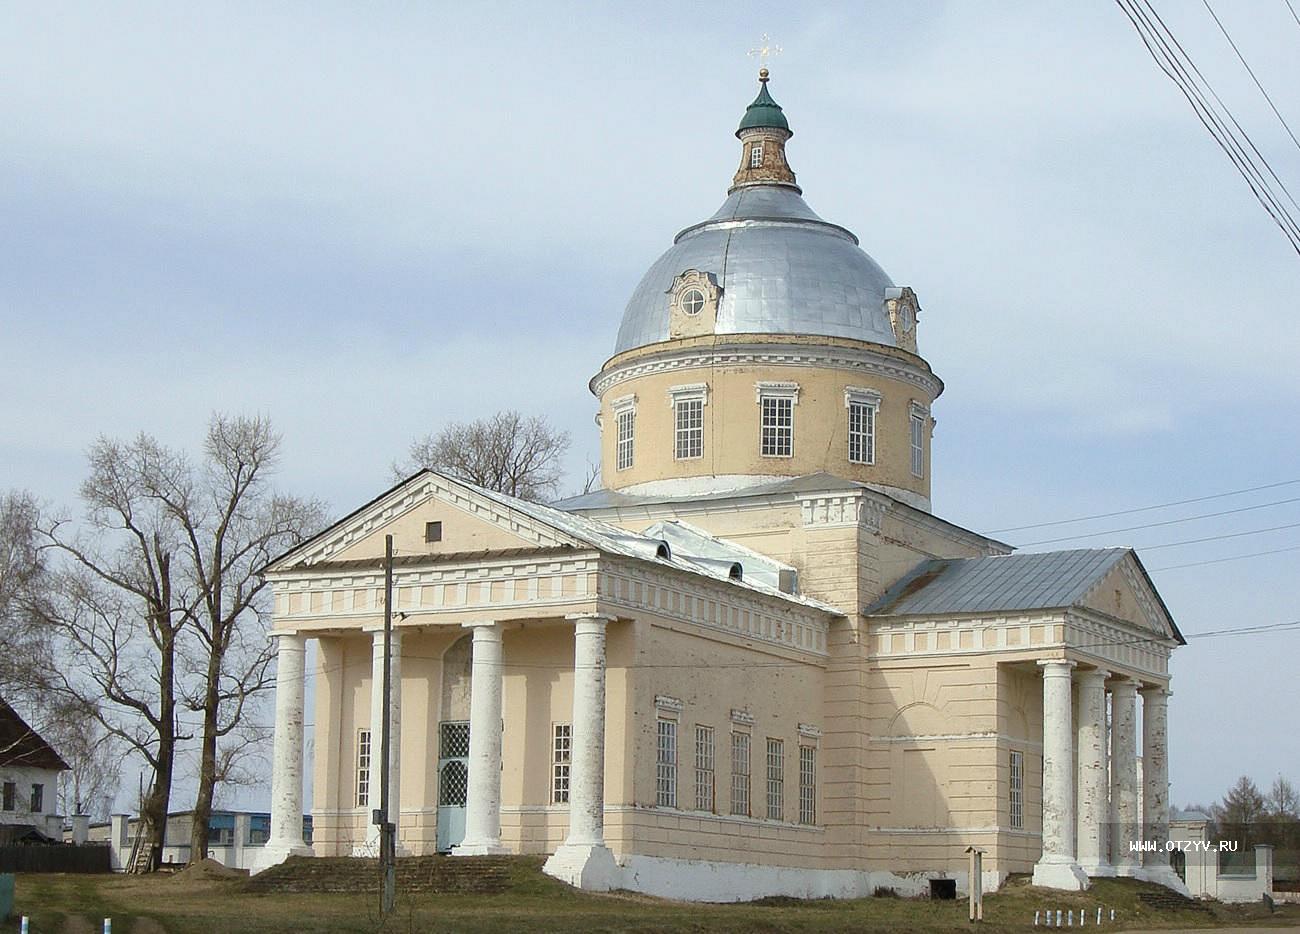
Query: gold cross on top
(765, 50)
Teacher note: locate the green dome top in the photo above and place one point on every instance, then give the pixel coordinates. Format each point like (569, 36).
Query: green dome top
(764, 112)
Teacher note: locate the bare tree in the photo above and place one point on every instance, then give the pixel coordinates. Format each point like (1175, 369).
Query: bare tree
(24, 662)
(507, 453)
(1243, 804)
(232, 524)
(94, 761)
(1282, 802)
(118, 608)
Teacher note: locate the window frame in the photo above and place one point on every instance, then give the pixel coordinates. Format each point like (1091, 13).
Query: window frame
(624, 438)
(807, 784)
(775, 773)
(917, 421)
(858, 400)
(688, 399)
(9, 796)
(665, 762)
(782, 397)
(561, 761)
(741, 803)
(1016, 790)
(38, 798)
(364, 754)
(706, 797)
(756, 156)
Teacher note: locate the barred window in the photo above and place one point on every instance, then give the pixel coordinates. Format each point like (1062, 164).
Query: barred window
(666, 764)
(1017, 790)
(623, 448)
(38, 798)
(775, 779)
(703, 768)
(807, 784)
(561, 759)
(918, 445)
(756, 156)
(862, 433)
(778, 426)
(363, 768)
(689, 435)
(740, 774)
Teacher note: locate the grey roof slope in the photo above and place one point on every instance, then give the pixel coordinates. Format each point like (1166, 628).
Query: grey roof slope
(1034, 581)
(1007, 583)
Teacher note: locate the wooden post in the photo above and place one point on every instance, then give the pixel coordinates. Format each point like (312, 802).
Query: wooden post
(975, 883)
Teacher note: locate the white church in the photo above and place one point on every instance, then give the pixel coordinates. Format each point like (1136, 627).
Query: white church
(755, 662)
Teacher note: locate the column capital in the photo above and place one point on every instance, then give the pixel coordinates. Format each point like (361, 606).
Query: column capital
(590, 617)
(284, 633)
(1056, 667)
(1124, 685)
(484, 629)
(1155, 693)
(1094, 674)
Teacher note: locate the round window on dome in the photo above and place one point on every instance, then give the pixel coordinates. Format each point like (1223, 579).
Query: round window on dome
(692, 302)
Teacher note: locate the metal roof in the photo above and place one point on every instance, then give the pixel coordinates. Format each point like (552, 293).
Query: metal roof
(1003, 583)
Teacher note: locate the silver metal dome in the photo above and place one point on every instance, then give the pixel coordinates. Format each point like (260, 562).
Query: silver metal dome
(782, 270)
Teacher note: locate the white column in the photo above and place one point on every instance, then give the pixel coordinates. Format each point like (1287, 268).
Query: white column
(286, 765)
(1094, 797)
(1057, 868)
(1123, 777)
(483, 799)
(1155, 794)
(377, 728)
(583, 859)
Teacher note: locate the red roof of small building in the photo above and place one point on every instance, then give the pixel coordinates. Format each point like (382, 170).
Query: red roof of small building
(20, 745)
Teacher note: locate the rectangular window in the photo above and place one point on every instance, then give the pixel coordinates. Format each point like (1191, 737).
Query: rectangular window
(775, 779)
(666, 764)
(433, 531)
(363, 768)
(778, 426)
(689, 436)
(561, 759)
(10, 794)
(756, 156)
(918, 445)
(1017, 790)
(38, 798)
(623, 448)
(740, 774)
(807, 784)
(703, 768)
(862, 433)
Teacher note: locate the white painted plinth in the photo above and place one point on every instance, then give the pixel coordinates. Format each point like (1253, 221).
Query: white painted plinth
(590, 868)
(273, 855)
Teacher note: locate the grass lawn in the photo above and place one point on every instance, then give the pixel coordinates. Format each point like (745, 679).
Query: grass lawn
(76, 904)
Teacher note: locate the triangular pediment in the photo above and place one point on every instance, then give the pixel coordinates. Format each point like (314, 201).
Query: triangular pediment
(1125, 592)
(470, 522)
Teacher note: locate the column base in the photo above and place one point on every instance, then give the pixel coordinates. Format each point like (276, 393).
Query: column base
(273, 854)
(1098, 870)
(1060, 873)
(584, 866)
(370, 849)
(479, 849)
(1164, 875)
(1128, 870)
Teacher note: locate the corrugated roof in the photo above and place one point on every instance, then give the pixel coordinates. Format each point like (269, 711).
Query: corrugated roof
(1003, 583)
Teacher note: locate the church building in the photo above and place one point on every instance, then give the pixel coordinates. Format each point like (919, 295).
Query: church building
(755, 662)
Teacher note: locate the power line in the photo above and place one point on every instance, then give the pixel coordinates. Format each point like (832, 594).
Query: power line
(1197, 564)
(1219, 538)
(1294, 15)
(1169, 61)
(1250, 71)
(1154, 525)
(1126, 512)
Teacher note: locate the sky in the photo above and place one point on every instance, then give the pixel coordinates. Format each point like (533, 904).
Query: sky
(367, 221)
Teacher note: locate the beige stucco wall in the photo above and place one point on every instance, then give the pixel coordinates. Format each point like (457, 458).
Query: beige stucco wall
(732, 424)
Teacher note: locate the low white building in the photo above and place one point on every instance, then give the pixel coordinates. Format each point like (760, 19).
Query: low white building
(29, 776)
(1201, 861)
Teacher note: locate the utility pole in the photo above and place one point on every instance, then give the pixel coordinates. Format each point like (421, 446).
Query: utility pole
(387, 828)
